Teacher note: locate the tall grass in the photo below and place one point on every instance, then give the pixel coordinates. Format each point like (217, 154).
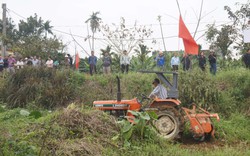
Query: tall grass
(44, 87)
(227, 92)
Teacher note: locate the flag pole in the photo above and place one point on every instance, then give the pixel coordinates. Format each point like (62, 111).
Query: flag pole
(179, 38)
(178, 6)
(179, 17)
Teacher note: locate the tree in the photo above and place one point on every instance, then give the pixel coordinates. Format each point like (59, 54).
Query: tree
(241, 20)
(33, 26)
(47, 28)
(221, 39)
(121, 37)
(94, 21)
(239, 17)
(32, 38)
(107, 50)
(142, 60)
(11, 33)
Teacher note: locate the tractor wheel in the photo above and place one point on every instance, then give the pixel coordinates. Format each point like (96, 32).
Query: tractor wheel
(167, 125)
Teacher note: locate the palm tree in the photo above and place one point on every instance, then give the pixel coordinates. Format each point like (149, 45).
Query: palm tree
(47, 28)
(142, 60)
(94, 21)
(107, 50)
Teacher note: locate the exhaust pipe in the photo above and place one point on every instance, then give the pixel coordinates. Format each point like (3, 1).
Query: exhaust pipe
(119, 94)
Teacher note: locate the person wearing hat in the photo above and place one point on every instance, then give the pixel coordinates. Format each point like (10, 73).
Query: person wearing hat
(159, 90)
(160, 60)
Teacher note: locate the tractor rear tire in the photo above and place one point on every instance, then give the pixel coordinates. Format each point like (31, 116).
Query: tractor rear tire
(167, 125)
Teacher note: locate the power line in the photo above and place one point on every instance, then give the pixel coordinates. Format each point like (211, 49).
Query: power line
(153, 24)
(157, 38)
(16, 13)
(166, 24)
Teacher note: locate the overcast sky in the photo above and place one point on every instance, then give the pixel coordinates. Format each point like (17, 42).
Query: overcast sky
(71, 15)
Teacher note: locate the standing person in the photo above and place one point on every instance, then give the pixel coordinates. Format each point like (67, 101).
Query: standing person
(125, 61)
(5, 62)
(106, 63)
(70, 60)
(29, 61)
(175, 61)
(39, 62)
(212, 62)
(56, 63)
(49, 63)
(202, 61)
(11, 64)
(35, 61)
(186, 62)
(246, 59)
(1, 65)
(92, 63)
(160, 60)
(19, 64)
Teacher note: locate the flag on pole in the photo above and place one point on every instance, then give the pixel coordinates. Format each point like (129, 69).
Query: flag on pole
(190, 45)
(77, 61)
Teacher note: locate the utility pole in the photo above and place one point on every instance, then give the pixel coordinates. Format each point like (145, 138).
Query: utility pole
(4, 30)
(159, 19)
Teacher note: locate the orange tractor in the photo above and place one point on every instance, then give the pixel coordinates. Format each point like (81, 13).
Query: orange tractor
(171, 116)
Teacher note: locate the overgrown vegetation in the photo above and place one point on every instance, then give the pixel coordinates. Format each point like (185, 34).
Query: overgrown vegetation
(40, 87)
(30, 129)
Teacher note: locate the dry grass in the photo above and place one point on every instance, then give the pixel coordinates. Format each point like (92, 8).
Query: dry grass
(81, 133)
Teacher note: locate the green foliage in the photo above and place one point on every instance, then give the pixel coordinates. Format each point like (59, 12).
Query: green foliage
(65, 132)
(235, 88)
(139, 129)
(11, 33)
(221, 39)
(35, 114)
(198, 87)
(31, 37)
(233, 129)
(45, 87)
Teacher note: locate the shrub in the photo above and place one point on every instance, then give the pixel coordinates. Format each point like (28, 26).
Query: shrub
(43, 87)
(235, 88)
(198, 87)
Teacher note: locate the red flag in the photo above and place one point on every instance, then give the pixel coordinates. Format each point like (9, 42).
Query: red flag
(77, 61)
(190, 45)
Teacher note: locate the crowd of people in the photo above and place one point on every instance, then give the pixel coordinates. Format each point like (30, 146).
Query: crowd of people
(107, 61)
(160, 61)
(11, 64)
(186, 62)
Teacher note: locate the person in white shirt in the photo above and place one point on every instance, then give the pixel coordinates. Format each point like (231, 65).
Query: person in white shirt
(159, 91)
(175, 61)
(49, 63)
(19, 64)
(35, 61)
(125, 62)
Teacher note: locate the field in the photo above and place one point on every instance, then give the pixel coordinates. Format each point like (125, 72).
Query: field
(49, 113)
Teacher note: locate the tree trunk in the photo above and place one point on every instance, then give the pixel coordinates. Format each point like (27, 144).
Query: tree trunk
(93, 38)
(88, 37)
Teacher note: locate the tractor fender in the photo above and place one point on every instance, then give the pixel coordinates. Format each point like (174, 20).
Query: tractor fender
(161, 103)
